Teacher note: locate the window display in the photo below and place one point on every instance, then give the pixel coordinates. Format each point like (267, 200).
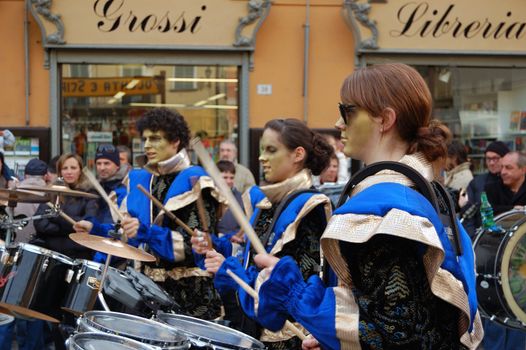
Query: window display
(100, 103)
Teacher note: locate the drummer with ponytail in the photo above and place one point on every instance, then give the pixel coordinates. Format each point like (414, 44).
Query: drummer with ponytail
(394, 279)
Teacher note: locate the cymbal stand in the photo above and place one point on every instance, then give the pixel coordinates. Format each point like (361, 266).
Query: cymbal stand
(10, 210)
(116, 234)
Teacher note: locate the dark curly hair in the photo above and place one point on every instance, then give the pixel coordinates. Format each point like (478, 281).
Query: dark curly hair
(294, 133)
(170, 122)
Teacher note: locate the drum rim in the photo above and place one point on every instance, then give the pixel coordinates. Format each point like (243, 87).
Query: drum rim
(90, 263)
(506, 257)
(127, 334)
(46, 252)
(215, 325)
(120, 339)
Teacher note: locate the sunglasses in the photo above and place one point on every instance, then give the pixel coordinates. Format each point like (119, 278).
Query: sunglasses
(106, 148)
(346, 110)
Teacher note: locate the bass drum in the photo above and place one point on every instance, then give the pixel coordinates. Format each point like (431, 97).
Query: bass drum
(501, 270)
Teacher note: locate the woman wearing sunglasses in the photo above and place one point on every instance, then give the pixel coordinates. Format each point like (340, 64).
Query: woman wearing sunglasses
(397, 286)
(289, 216)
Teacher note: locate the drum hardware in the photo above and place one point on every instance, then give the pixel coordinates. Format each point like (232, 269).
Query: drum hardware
(45, 265)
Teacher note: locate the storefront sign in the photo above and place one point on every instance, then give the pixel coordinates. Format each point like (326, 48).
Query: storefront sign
(161, 23)
(432, 25)
(100, 136)
(90, 87)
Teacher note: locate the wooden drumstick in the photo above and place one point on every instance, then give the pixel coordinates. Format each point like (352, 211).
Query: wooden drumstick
(200, 205)
(102, 193)
(234, 206)
(61, 213)
(171, 215)
(289, 325)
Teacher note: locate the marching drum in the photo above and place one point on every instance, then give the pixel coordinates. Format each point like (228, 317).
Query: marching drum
(83, 287)
(33, 281)
(208, 335)
(501, 270)
(146, 331)
(91, 341)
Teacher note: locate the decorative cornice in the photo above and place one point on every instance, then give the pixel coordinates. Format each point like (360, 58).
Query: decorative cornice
(43, 8)
(257, 11)
(360, 12)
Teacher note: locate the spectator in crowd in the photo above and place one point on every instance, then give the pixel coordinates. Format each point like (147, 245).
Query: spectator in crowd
(343, 162)
(458, 174)
(330, 174)
(244, 178)
(51, 176)
(510, 190)
(125, 157)
(53, 233)
(492, 156)
(228, 225)
(6, 181)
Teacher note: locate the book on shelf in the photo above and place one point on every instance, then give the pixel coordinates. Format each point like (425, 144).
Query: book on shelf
(523, 121)
(515, 119)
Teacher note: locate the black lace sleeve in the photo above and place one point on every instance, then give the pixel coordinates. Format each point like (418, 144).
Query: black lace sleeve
(305, 248)
(397, 307)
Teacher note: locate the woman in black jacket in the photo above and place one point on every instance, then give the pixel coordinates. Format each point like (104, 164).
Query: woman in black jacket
(53, 233)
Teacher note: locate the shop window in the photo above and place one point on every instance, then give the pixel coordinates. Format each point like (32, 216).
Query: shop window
(480, 105)
(117, 95)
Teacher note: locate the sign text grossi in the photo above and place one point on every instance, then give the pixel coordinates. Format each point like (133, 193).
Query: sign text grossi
(117, 15)
(168, 23)
(438, 24)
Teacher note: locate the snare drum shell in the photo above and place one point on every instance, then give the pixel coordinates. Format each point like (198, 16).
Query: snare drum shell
(153, 333)
(204, 333)
(88, 341)
(34, 280)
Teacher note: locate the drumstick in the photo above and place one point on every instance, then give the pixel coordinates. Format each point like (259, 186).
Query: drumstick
(200, 206)
(289, 325)
(61, 213)
(103, 193)
(234, 206)
(171, 215)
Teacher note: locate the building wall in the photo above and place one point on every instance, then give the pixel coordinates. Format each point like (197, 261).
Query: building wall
(278, 60)
(12, 69)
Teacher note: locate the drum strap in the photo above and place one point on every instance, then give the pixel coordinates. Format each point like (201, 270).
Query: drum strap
(433, 191)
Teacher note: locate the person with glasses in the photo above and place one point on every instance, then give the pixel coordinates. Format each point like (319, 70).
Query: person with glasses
(170, 178)
(289, 217)
(399, 283)
(493, 158)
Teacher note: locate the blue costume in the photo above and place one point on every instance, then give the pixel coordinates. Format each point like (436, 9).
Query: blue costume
(177, 185)
(294, 230)
(399, 283)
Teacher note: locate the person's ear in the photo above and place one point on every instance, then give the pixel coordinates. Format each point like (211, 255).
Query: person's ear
(299, 154)
(388, 119)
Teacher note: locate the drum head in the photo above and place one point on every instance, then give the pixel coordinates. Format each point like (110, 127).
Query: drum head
(206, 332)
(90, 341)
(514, 273)
(134, 327)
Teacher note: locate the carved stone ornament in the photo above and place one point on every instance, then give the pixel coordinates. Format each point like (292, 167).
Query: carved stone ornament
(359, 11)
(43, 8)
(257, 11)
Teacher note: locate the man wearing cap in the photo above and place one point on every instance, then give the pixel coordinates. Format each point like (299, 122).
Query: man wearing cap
(493, 159)
(34, 176)
(110, 175)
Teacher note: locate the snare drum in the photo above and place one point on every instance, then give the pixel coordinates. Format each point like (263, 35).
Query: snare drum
(90, 341)
(210, 335)
(501, 270)
(83, 287)
(33, 281)
(137, 328)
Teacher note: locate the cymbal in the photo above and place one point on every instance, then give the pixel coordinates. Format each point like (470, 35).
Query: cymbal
(111, 246)
(22, 196)
(60, 190)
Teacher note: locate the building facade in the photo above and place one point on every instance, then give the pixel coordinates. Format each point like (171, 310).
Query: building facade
(80, 72)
